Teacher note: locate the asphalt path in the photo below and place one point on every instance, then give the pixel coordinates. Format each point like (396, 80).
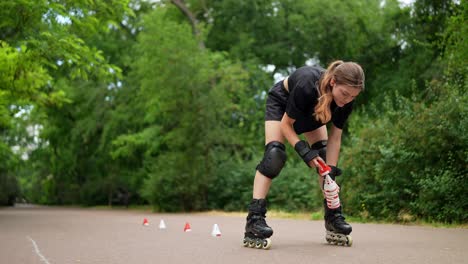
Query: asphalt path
(41, 235)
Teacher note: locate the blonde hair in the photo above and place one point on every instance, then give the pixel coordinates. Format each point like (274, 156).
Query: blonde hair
(346, 73)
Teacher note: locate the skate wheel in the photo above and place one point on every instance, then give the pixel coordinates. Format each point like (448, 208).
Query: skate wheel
(266, 244)
(350, 241)
(245, 243)
(251, 244)
(259, 244)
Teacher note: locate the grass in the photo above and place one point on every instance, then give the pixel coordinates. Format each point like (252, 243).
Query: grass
(315, 216)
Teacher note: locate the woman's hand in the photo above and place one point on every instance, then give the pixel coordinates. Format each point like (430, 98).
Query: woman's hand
(315, 162)
(310, 156)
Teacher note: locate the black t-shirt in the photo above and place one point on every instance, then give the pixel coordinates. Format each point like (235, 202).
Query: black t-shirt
(304, 92)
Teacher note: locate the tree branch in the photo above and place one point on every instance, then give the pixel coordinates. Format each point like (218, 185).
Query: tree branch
(193, 21)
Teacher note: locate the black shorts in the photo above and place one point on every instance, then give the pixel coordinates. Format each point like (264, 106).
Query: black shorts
(276, 102)
(276, 107)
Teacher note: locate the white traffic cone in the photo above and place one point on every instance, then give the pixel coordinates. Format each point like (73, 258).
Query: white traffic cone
(162, 225)
(216, 232)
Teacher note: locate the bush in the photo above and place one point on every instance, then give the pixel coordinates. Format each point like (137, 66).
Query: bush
(9, 187)
(295, 189)
(410, 160)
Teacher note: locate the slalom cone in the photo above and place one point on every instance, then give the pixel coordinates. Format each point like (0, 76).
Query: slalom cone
(145, 222)
(216, 232)
(187, 227)
(162, 225)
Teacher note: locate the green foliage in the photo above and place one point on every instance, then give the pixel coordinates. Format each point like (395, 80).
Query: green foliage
(194, 106)
(238, 176)
(9, 188)
(407, 157)
(46, 53)
(288, 33)
(412, 160)
(296, 189)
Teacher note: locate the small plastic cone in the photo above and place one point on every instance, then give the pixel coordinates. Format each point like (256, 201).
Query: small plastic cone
(145, 222)
(216, 232)
(162, 225)
(187, 227)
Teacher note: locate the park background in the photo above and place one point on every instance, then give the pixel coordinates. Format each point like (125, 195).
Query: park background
(161, 103)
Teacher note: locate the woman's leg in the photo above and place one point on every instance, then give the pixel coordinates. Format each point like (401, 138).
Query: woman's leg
(314, 136)
(256, 229)
(261, 182)
(334, 220)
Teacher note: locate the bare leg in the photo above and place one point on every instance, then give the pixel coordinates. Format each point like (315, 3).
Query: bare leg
(337, 229)
(314, 136)
(261, 182)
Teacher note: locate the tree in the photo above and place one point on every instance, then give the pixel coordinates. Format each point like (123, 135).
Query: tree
(45, 53)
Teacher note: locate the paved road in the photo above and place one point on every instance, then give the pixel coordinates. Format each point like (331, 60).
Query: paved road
(60, 235)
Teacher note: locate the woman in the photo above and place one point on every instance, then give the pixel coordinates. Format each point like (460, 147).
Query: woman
(304, 103)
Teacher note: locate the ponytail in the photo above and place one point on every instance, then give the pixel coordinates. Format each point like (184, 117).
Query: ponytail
(322, 109)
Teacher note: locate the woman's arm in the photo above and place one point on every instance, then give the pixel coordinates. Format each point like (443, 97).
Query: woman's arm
(288, 130)
(334, 145)
(308, 155)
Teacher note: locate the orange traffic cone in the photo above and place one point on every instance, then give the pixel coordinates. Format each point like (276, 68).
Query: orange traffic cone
(216, 232)
(145, 222)
(187, 227)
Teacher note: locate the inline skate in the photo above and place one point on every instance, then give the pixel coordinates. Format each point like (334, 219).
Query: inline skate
(257, 232)
(337, 229)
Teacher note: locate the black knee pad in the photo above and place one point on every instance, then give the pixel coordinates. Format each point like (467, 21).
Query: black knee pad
(321, 146)
(273, 160)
